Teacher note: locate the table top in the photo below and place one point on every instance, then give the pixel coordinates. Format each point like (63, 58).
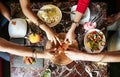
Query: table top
(74, 69)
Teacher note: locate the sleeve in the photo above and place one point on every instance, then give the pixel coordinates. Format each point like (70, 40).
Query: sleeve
(82, 5)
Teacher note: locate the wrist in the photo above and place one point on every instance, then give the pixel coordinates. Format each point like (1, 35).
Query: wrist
(39, 22)
(75, 23)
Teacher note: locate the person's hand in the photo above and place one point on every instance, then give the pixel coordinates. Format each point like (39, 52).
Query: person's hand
(73, 54)
(70, 36)
(49, 53)
(53, 37)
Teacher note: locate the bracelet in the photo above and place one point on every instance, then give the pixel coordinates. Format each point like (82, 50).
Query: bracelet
(34, 54)
(76, 23)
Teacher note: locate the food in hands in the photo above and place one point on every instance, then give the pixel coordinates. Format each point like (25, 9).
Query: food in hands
(63, 47)
(60, 58)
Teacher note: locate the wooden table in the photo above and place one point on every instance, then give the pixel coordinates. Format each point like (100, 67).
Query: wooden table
(74, 69)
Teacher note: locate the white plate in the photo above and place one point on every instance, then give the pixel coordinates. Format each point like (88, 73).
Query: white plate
(86, 16)
(100, 44)
(51, 17)
(17, 28)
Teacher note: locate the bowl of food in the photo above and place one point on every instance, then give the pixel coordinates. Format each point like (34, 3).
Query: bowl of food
(50, 14)
(94, 41)
(35, 37)
(60, 58)
(17, 28)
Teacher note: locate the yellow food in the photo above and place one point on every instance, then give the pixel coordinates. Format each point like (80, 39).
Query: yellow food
(34, 38)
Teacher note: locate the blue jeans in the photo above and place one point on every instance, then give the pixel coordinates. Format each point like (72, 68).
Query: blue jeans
(3, 21)
(5, 56)
(4, 34)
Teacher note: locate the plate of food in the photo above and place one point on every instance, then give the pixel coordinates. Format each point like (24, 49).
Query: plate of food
(50, 14)
(94, 41)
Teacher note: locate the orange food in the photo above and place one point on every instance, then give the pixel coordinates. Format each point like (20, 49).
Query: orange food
(29, 60)
(63, 47)
(14, 22)
(34, 38)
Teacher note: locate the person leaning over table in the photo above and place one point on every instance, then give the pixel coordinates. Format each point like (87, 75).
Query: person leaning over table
(80, 10)
(4, 11)
(106, 56)
(12, 48)
(25, 5)
(4, 20)
(113, 53)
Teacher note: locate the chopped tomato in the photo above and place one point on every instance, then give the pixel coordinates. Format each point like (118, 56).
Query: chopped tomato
(94, 32)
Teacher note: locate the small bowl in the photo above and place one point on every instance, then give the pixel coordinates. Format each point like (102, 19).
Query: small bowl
(17, 28)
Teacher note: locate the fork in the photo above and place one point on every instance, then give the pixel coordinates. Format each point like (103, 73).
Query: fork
(96, 17)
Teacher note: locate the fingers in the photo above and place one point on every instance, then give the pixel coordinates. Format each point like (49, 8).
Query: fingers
(55, 41)
(58, 40)
(68, 41)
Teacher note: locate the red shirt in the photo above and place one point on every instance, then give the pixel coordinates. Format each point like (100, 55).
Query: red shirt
(82, 5)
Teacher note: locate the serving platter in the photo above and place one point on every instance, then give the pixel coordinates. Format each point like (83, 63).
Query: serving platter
(50, 14)
(94, 41)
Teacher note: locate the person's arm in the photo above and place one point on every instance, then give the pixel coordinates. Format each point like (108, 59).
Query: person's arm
(75, 54)
(4, 11)
(81, 8)
(25, 5)
(12, 48)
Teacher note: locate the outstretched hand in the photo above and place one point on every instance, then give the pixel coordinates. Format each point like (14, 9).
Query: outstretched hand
(52, 36)
(70, 36)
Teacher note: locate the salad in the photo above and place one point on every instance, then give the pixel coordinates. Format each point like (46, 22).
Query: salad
(50, 14)
(95, 40)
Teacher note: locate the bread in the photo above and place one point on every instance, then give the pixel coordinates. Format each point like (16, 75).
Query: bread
(29, 60)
